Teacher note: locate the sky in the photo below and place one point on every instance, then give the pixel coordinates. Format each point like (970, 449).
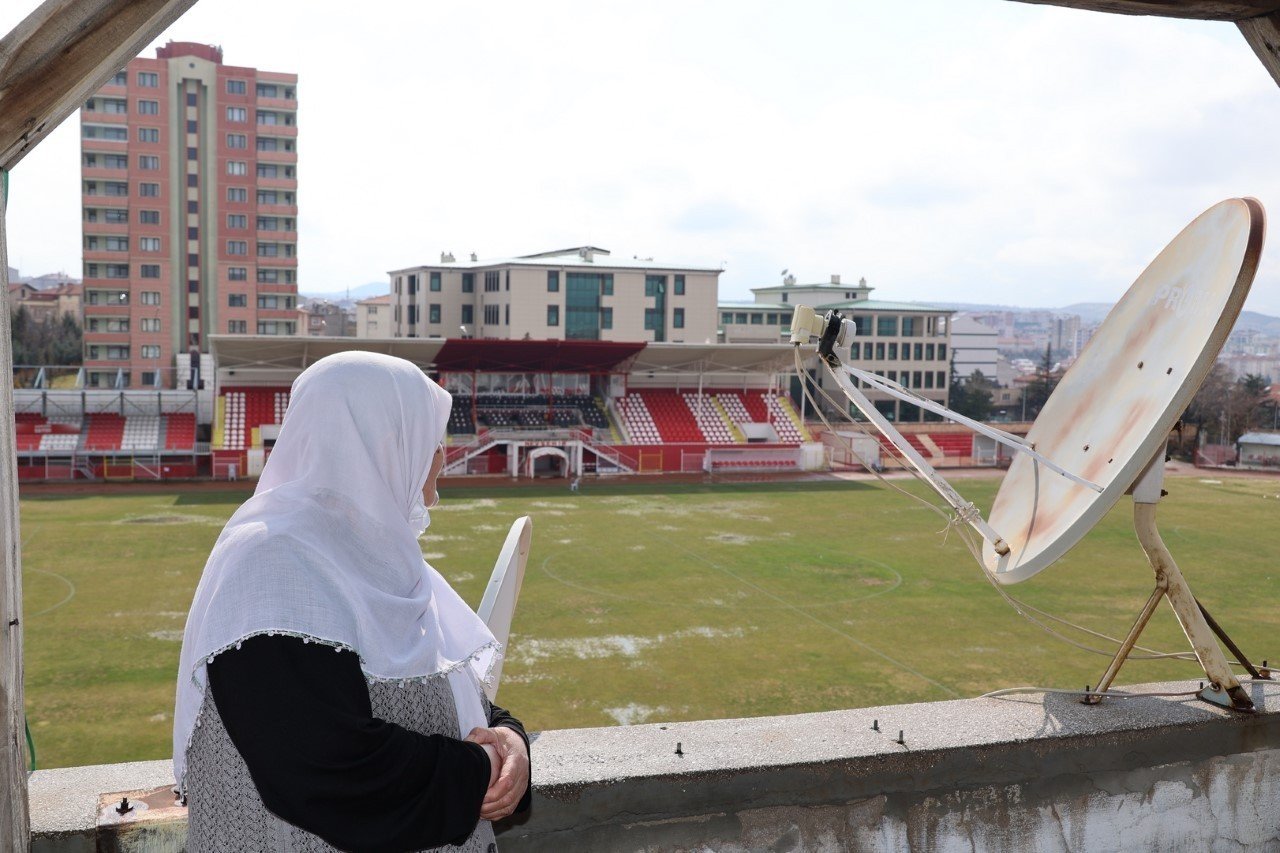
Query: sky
(969, 151)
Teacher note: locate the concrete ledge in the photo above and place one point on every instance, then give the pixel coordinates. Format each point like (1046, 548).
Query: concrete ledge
(1031, 772)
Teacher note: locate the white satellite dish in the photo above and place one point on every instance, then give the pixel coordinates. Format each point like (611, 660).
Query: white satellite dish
(1103, 431)
(498, 605)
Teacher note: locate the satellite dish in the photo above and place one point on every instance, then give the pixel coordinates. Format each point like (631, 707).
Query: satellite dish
(499, 603)
(1103, 431)
(1115, 407)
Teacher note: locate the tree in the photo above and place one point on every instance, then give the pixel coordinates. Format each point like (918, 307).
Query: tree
(972, 396)
(1037, 391)
(1221, 409)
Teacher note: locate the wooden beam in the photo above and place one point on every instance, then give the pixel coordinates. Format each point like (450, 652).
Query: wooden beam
(1263, 35)
(15, 822)
(61, 54)
(1204, 10)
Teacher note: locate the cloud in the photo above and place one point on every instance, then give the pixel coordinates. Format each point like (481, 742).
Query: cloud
(1002, 150)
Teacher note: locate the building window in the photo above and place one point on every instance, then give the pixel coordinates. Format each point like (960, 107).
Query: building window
(148, 108)
(148, 162)
(237, 327)
(553, 315)
(412, 314)
(191, 125)
(468, 314)
(880, 351)
(121, 78)
(237, 140)
(468, 282)
(150, 324)
(677, 318)
(726, 318)
(237, 274)
(266, 90)
(148, 134)
(911, 327)
(237, 194)
(942, 352)
(433, 312)
(148, 79)
(268, 170)
(275, 327)
(740, 318)
(237, 247)
(116, 244)
(606, 284)
(237, 300)
(149, 244)
(679, 285)
(492, 282)
(268, 143)
(651, 319)
(149, 271)
(606, 318)
(149, 190)
(237, 167)
(145, 217)
(237, 220)
(553, 281)
(268, 223)
(435, 282)
(506, 314)
(236, 87)
(886, 326)
(150, 297)
(413, 285)
(237, 114)
(149, 351)
(654, 284)
(491, 315)
(99, 131)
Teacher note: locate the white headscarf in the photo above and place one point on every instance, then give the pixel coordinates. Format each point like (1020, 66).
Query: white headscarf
(327, 547)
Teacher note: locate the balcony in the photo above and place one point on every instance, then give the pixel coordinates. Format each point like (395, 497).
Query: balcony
(1040, 772)
(277, 129)
(289, 157)
(105, 338)
(103, 256)
(278, 209)
(277, 184)
(101, 173)
(289, 105)
(106, 228)
(106, 310)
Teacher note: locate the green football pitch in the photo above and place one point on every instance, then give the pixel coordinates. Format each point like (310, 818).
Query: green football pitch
(658, 601)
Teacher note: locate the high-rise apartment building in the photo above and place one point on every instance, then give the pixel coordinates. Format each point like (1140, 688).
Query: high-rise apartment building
(189, 189)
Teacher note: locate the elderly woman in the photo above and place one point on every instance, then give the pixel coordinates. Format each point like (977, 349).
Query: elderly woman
(330, 691)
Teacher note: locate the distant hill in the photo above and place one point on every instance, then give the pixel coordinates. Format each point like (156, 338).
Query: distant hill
(363, 291)
(1095, 312)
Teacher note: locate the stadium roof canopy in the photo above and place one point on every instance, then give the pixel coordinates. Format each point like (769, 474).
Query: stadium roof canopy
(247, 354)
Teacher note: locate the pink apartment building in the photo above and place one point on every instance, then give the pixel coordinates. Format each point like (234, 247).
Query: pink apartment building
(189, 188)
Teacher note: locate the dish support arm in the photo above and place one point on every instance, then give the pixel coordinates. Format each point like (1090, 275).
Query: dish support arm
(1223, 688)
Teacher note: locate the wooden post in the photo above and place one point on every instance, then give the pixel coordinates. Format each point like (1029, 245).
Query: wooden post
(1263, 35)
(15, 822)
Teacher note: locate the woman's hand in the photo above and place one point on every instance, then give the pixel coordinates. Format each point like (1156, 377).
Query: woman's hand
(513, 776)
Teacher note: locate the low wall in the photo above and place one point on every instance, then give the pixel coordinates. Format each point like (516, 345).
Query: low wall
(1031, 772)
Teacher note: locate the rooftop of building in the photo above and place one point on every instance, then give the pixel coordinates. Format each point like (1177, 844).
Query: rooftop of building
(384, 299)
(850, 304)
(579, 256)
(1269, 438)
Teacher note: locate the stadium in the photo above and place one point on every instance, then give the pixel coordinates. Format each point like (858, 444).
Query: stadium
(522, 409)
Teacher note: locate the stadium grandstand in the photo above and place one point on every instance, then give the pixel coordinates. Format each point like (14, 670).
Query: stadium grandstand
(522, 408)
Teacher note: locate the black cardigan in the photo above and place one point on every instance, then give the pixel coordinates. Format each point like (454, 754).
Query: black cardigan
(300, 716)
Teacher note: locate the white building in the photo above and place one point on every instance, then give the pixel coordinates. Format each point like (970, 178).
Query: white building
(582, 293)
(973, 347)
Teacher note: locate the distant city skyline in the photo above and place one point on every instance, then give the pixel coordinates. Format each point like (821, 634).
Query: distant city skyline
(998, 153)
